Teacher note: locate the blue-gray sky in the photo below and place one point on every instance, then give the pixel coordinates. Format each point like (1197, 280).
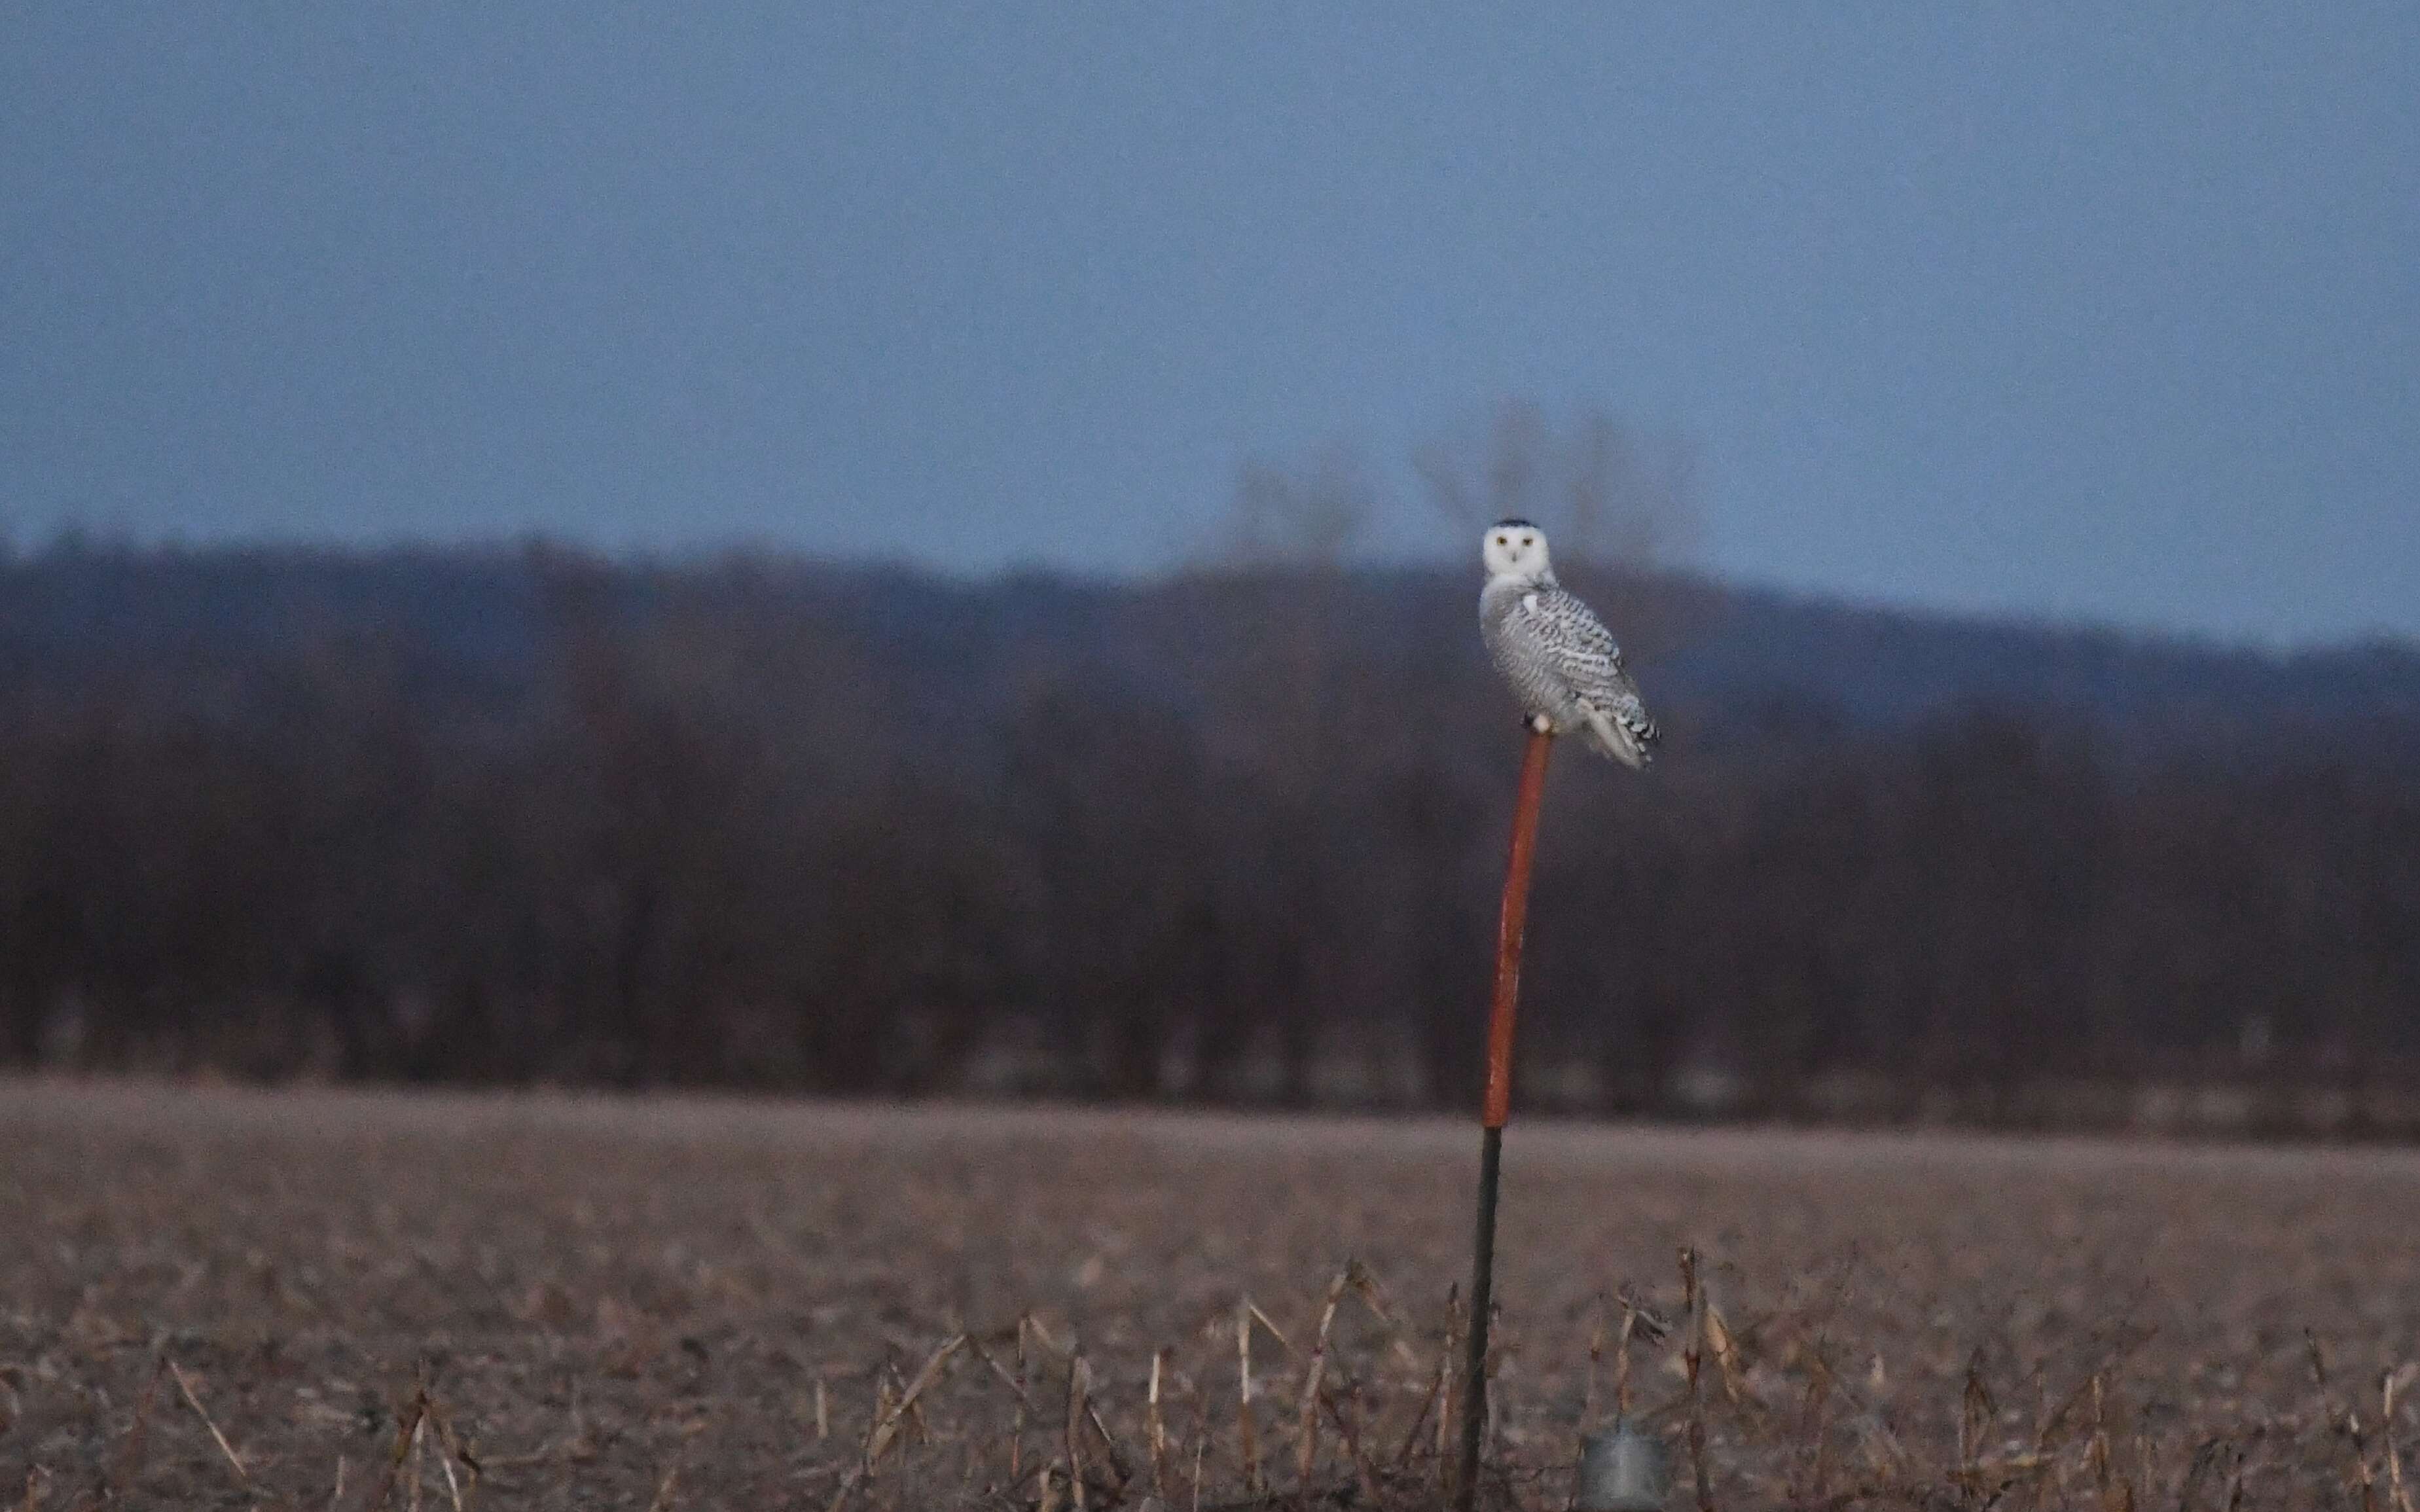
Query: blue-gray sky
(2070, 309)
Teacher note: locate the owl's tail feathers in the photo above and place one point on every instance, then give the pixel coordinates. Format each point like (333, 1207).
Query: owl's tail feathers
(1617, 741)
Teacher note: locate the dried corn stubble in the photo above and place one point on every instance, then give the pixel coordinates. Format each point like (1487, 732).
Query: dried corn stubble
(398, 1230)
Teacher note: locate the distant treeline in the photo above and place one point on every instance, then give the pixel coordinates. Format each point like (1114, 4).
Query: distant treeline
(1230, 837)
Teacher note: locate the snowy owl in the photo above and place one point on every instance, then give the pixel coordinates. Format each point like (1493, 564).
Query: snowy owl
(1559, 657)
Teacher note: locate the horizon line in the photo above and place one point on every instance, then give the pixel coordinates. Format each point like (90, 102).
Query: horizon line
(77, 539)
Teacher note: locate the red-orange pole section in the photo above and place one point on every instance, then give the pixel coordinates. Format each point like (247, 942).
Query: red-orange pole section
(1510, 925)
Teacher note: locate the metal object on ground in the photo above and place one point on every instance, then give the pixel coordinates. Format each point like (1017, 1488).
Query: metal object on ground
(1510, 924)
(1621, 1469)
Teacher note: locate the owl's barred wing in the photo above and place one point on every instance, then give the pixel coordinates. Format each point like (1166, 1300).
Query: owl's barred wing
(1581, 651)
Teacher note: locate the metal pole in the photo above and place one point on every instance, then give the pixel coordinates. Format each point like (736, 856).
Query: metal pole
(1498, 1105)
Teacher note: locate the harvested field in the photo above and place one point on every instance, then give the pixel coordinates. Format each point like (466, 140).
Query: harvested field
(236, 1298)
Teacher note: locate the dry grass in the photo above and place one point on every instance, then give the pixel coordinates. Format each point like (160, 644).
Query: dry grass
(323, 1301)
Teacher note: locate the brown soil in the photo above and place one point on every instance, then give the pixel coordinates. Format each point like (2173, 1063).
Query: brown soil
(640, 1302)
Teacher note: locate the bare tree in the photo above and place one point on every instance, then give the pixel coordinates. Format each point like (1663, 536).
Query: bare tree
(1608, 494)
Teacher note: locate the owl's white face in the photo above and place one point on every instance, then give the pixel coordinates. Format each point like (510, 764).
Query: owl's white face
(1514, 548)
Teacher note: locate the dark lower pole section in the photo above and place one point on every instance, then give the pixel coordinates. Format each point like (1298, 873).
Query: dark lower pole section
(1510, 924)
(1483, 1301)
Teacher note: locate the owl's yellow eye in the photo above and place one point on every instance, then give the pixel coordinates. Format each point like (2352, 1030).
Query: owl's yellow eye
(1503, 541)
